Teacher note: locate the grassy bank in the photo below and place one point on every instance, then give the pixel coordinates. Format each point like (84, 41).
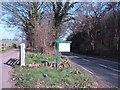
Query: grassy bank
(67, 77)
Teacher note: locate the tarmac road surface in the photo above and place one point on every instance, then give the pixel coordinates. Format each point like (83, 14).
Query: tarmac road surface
(5, 69)
(105, 70)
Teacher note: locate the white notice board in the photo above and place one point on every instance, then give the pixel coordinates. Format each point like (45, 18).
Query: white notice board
(64, 47)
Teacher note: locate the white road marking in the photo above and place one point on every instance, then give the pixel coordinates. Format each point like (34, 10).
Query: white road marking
(104, 60)
(90, 57)
(85, 60)
(110, 61)
(86, 70)
(109, 67)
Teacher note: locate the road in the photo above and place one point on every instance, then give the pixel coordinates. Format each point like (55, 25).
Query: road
(5, 69)
(106, 71)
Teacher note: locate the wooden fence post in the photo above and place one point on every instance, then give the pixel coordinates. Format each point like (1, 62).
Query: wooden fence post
(22, 54)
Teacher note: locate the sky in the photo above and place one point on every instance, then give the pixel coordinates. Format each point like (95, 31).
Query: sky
(6, 34)
(59, 0)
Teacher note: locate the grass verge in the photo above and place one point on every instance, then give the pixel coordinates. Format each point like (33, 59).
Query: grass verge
(70, 77)
(8, 48)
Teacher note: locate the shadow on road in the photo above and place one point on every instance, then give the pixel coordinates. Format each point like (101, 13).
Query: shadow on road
(12, 62)
(67, 53)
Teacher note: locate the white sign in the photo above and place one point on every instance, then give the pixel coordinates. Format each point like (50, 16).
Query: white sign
(22, 54)
(64, 47)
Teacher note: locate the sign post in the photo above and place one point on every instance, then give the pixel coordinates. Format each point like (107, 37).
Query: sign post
(22, 54)
(61, 46)
(57, 52)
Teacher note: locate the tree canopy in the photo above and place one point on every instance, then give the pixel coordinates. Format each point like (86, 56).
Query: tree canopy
(45, 22)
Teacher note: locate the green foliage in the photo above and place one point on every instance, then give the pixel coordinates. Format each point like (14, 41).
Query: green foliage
(38, 58)
(28, 77)
(67, 77)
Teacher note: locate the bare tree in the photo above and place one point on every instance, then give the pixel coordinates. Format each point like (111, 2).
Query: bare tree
(89, 19)
(97, 27)
(61, 15)
(24, 16)
(41, 26)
